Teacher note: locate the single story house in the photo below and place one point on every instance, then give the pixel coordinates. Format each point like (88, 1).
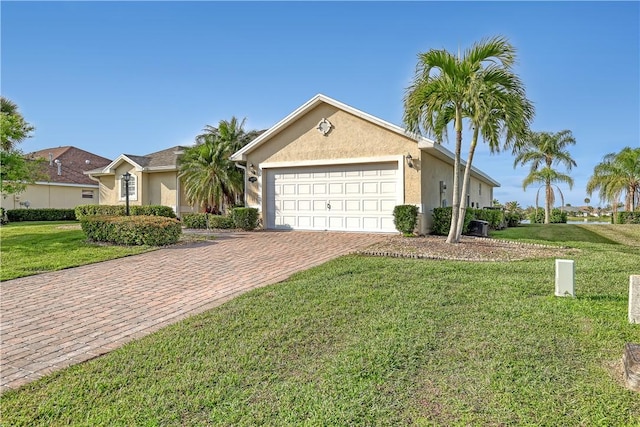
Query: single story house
(154, 180)
(65, 184)
(329, 166)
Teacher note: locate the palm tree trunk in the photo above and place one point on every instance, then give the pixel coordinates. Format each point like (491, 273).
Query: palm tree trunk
(465, 183)
(547, 204)
(455, 202)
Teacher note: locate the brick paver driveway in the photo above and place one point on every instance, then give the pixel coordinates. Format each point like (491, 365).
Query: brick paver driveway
(54, 320)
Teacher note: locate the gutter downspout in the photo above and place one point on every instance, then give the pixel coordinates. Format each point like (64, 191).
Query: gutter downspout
(96, 180)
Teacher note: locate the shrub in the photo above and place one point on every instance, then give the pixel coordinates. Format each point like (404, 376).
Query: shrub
(199, 221)
(557, 216)
(3, 216)
(629, 217)
(513, 219)
(112, 210)
(245, 218)
(45, 214)
(495, 217)
(405, 218)
(442, 221)
(149, 230)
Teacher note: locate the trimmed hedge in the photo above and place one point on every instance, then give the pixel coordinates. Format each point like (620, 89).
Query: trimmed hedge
(495, 217)
(405, 218)
(149, 230)
(629, 217)
(442, 221)
(245, 218)
(119, 210)
(44, 214)
(199, 221)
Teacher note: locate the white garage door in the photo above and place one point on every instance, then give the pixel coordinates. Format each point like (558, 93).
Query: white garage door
(358, 197)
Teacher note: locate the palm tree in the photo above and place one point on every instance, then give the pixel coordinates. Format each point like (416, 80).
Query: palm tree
(544, 150)
(618, 174)
(13, 127)
(210, 178)
(479, 87)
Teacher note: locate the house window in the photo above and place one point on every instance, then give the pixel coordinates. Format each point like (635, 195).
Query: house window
(480, 189)
(133, 187)
(87, 194)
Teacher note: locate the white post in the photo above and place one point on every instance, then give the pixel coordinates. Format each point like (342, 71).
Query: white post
(564, 278)
(634, 299)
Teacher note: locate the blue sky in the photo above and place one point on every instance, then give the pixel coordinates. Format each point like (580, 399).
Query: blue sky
(139, 77)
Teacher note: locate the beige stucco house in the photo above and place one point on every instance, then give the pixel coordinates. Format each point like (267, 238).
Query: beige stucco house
(154, 180)
(64, 185)
(329, 166)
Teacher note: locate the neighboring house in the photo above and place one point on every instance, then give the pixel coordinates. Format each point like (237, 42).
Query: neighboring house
(329, 166)
(154, 180)
(65, 186)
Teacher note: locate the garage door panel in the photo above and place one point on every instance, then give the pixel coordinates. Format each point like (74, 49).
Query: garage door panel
(304, 205)
(336, 223)
(304, 189)
(357, 197)
(320, 188)
(352, 206)
(369, 188)
(370, 205)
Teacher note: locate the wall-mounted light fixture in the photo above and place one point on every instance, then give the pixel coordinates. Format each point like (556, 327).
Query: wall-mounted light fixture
(409, 160)
(252, 169)
(443, 187)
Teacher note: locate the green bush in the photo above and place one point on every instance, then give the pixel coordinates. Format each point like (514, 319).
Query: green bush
(495, 217)
(112, 210)
(149, 230)
(629, 217)
(405, 218)
(199, 221)
(45, 214)
(557, 216)
(245, 218)
(442, 221)
(513, 219)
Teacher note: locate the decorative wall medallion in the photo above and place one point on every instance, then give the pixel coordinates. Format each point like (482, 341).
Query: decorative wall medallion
(324, 126)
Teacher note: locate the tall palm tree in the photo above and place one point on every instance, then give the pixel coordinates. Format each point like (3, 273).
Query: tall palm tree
(544, 151)
(480, 87)
(210, 178)
(618, 174)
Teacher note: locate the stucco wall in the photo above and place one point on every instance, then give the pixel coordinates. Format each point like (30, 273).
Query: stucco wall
(160, 189)
(49, 196)
(351, 137)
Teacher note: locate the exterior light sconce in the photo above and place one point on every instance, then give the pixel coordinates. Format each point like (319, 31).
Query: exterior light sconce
(409, 160)
(252, 169)
(443, 187)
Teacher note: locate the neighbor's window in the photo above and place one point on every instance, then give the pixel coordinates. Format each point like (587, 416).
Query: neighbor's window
(87, 194)
(480, 189)
(133, 194)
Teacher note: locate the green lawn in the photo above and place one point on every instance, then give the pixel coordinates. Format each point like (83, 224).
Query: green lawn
(36, 247)
(377, 341)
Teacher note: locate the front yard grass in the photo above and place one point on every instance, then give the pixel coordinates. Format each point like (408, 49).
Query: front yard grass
(36, 247)
(376, 341)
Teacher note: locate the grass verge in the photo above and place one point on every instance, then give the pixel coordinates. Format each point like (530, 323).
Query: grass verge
(375, 341)
(36, 247)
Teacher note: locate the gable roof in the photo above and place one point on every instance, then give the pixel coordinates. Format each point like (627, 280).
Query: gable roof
(433, 148)
(163, 160)
(66, 165)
